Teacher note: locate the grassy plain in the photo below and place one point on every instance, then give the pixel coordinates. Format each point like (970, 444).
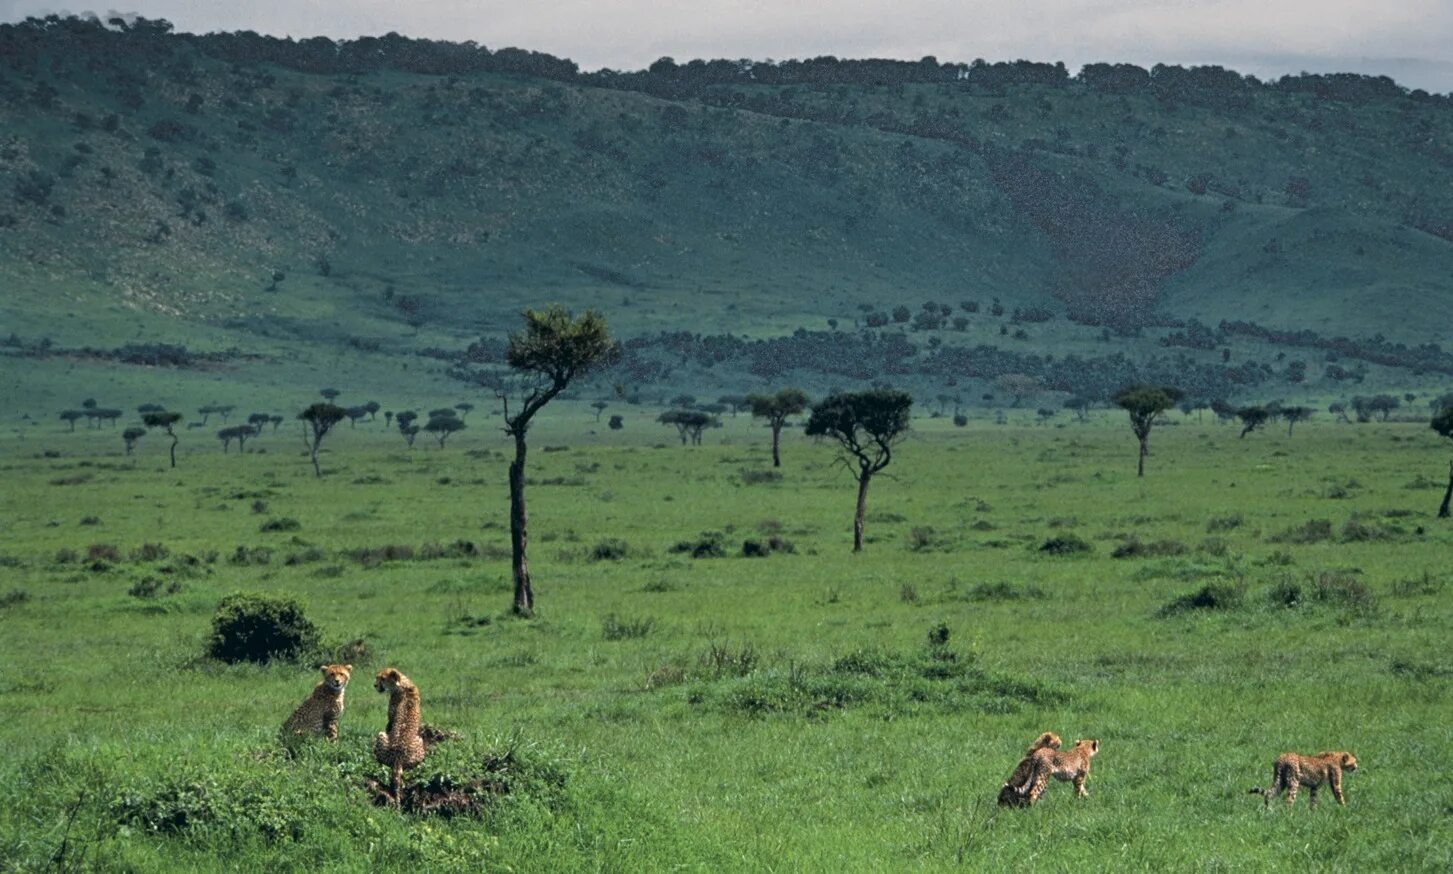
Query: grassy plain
(732, 713)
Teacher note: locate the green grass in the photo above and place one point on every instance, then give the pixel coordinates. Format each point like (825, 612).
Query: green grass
(733, 713)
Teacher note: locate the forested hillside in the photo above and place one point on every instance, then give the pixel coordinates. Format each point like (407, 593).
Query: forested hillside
(383, 198)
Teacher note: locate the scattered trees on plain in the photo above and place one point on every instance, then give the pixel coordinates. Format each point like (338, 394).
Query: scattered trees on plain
(1443, 424)
(167, 422)
(320, 419)
(866, 425)
(550, 352)
(776, 409)
(1145, 404)
(689, 424)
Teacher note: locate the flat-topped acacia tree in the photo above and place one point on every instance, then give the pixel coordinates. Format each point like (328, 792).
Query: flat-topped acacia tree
(130, 436)
(866, 425)
(321, 418)
(167, 422)
(1145, 403)
(550, 352)
(1443, 424)
(775, 409)
(1252, 418)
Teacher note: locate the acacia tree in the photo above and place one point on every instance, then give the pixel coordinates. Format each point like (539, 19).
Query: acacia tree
(1020, 385)
(1145, 403)
(599, 407)
(1293, 415)
(167, 422)
(689, 423)
(775, 409)
(321, 417)
(1252, 418)
(464, 409)
(442, 427)
(866, 425)
(1443, 424)
(130, 436)
(70, 417)
(550, 352)
(409, 431)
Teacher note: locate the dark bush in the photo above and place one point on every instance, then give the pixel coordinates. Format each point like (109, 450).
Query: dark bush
(257, 627)
(613, 627)
(708, 545)
(1212, 596)
(150, 552)
(1314, 531)
(1065, 544)
(282, 523)
(14, 597)
(758, 477)
(609, 550)
(103, 552)
(1134, 547)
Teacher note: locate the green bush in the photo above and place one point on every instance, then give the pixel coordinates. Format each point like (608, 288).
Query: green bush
(255, 627)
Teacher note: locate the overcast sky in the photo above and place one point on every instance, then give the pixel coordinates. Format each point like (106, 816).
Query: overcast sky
(1410, 40)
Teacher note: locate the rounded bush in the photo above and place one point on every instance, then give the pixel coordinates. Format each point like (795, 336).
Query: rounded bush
(256, 627)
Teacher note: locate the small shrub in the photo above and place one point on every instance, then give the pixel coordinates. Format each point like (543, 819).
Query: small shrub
(609, 550)
(1313, 531)
(259, 506)
(613, 627)
(90, 520)
(908, 594)
(1355, 530)
(281, 523)
(708, 545)
(150, 552)
(1427, 584)
(146, 587)
(759, 477)
(1065, 544)
(306, 556)
(245, 556)
(374, 556)
(1002, 591)
(103, 552)
(1134, 547)
(1212, 596)
(66, 556)
(13, 598)
(257, 627)
(779, 544)
(725, 660)
(1224, 523)
(755, 549)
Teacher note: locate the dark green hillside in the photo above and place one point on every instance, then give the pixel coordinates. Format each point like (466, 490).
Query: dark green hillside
(348, 205)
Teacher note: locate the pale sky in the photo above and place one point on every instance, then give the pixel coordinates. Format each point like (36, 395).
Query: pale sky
(1410, 40)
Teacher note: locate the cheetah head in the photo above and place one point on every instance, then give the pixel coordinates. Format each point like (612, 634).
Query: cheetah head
(1047, 741)
(387, 679)
(1349, 762)
(336, 676)
(1089, 745)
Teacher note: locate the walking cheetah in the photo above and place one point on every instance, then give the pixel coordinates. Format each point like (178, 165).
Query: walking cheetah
(1292, 770)
(1014, 792)
(1071, 767)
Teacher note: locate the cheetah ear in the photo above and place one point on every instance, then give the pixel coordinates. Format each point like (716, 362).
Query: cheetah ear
(1095, 746)
(348, 668)
(1346, 759)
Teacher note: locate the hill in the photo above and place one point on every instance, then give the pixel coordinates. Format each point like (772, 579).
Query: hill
(290, 206)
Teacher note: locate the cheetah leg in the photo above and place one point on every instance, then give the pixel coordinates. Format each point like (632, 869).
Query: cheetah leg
(1037, 787)
(398, 780)
(1079, 782)
(1337, 789)
(1292, 785)
(1312, 798)
(330, 729)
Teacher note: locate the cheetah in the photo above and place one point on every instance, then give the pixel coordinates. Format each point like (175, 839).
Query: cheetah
(399, 746)
(1072, 766)
(1014, 790)
(319, 712)
(1292, 770)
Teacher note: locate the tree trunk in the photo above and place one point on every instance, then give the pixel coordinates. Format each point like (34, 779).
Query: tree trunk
(1290, 426)
(174, 450)
(524, 595)
(313, 452)
(776, 440)
(862, 508)
(1448, 495)
(1144, 451)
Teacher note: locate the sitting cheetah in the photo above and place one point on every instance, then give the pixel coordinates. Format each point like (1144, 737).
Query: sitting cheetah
(1072, 766)
(399, 746)
(1292, 770)
(319, 712)
(1014, 792)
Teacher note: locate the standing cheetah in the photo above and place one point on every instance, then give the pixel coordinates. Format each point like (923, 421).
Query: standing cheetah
(1292, 770)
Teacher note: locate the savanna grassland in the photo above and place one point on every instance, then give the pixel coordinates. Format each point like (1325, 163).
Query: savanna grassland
(786, 712)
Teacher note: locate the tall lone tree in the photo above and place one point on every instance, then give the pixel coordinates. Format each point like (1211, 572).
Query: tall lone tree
(775, 409)
(321, 418)
(1293, 415)
(1252, 418)
(866, 425)
(441, 428)
(1443, 424)
(166, 421)
(552, 351)
(1145, 403)
(130, 436)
